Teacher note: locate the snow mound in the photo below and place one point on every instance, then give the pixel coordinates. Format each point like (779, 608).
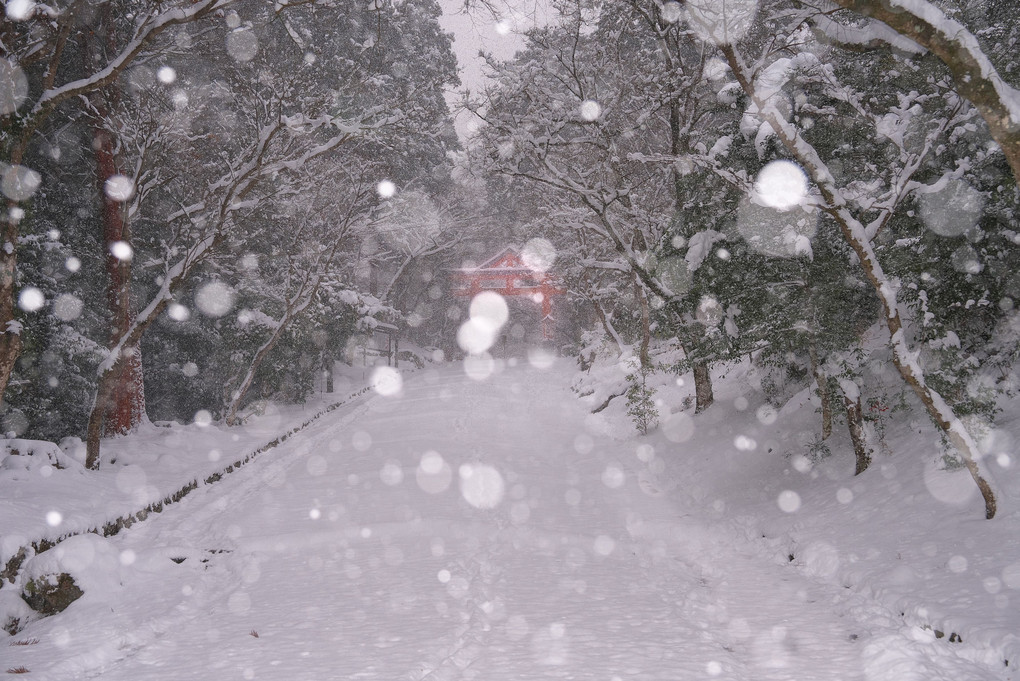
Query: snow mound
(35, 457)
(92, 561)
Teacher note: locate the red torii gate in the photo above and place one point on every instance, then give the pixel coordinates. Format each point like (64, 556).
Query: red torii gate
(507, 275)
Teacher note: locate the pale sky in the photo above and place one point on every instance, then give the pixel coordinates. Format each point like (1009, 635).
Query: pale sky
(480, 31)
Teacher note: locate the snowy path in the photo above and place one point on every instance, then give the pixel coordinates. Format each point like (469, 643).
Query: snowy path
(353, 555)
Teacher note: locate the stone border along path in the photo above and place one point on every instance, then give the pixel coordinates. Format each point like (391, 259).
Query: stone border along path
(10, 571)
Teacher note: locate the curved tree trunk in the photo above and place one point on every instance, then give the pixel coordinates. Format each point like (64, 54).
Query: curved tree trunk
(295, 307)
(974, 76)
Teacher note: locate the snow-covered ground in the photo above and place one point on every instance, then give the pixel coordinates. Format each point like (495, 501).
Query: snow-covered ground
(491, 528)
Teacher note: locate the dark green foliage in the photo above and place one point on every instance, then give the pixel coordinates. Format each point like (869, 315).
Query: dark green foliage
(51, 389)
(184, 369)
(641, 401)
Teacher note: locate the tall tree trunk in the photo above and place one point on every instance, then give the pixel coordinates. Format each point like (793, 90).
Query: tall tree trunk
(109, 370)
(822, 382)
(124, 407)
(703, 396)
(646, 330)
(703, 393)
(123, 403)
(855, 423)
(10, 332)
(234, 188)
(97, 416)
(46, 102)
(10, 329)
(327, 366)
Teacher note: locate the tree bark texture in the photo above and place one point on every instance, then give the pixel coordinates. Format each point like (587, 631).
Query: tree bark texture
(822, 386)
(855, 423)
(703, 395)
(124, 407)
(646, 331)
(10, 335)
(94, 431)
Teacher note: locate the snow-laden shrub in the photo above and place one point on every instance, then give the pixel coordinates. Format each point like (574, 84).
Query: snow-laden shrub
(641, 401)
(19, 457)
(14, 612)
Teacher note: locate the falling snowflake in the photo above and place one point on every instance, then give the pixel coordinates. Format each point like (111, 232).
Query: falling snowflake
(19, 183)
(387, 381)
(67, 307)
(166, 75)
(590, 110)
(215, 299)
(481, 485)
(789, 501)
(242, 45)
(782, 185)
(31, 299)
(121, 250)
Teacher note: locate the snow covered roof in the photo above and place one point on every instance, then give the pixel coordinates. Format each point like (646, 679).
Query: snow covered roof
(507, 260)
(510, 251)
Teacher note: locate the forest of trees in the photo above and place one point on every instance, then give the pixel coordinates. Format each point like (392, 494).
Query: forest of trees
(782, 181)
(195, 218)
(197, 200)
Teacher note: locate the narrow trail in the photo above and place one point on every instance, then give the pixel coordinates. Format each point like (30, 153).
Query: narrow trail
(462, 530)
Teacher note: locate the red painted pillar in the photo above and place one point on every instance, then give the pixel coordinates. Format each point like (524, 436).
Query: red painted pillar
(546, 292)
